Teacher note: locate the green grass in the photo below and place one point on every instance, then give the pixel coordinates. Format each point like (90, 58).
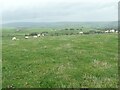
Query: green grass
(67, 61)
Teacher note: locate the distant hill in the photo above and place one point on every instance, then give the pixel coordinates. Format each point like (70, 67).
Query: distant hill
(112, 24)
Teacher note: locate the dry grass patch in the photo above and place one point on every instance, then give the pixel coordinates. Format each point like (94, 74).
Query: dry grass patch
(101, 64)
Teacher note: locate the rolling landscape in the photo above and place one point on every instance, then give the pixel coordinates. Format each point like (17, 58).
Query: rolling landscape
(65, 55)
(59, 44)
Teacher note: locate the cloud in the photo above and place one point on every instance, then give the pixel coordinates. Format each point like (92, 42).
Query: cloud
(59, 10)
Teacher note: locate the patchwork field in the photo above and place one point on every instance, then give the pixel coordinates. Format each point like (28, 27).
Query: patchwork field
(66, 61)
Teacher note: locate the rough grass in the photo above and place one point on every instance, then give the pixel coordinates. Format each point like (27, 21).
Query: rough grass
(61, 61)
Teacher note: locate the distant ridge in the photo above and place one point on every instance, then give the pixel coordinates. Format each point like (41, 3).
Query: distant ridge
(111, 24)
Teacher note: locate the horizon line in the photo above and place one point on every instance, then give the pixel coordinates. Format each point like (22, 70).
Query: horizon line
(52, 21)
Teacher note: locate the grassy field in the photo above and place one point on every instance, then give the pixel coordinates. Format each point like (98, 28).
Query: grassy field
(67, 61)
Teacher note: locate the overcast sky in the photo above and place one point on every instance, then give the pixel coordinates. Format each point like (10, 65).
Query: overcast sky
(59, 10)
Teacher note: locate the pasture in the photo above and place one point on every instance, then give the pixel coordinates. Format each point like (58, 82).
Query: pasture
(65, 61)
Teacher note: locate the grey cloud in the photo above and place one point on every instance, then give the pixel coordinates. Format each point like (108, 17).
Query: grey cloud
(59, 11)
